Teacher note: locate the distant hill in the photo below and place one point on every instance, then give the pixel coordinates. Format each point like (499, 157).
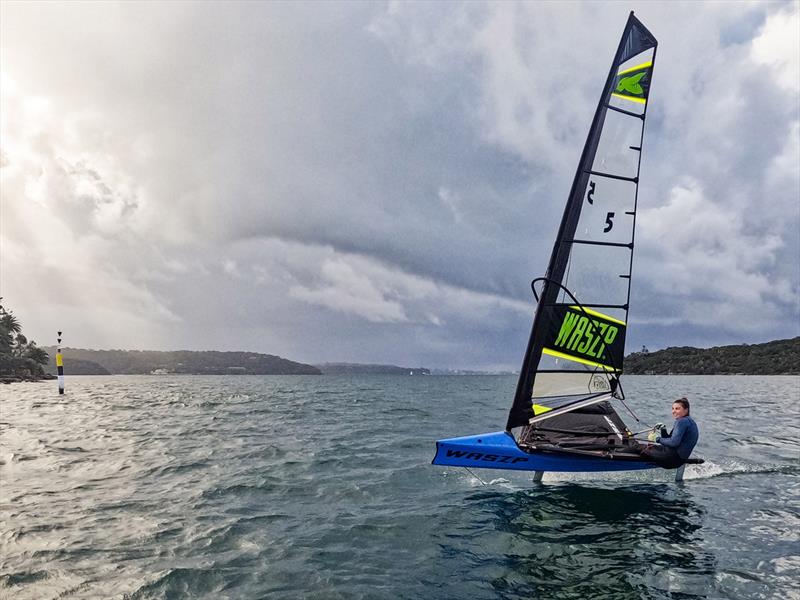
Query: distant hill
(472, 372)
(780, 357)
(141, 362)
(359, 369)
(76, 366)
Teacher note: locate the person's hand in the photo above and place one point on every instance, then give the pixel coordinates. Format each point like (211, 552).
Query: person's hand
(655, 432)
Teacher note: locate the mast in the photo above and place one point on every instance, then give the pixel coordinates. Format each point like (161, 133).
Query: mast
(635, 40)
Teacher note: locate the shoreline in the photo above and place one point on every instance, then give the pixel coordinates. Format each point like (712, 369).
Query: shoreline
(7, 379)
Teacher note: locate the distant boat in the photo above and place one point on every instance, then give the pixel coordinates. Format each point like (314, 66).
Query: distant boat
(562, 417)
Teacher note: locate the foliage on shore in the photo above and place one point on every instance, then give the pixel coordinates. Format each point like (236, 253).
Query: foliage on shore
(144, 362)
(20, 359)
(779, 357)
(359, 369)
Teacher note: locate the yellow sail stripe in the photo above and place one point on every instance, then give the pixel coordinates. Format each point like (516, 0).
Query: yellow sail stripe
(583, 361)
(649, 63)
(538, 409)
(631, 98)
(589, 311)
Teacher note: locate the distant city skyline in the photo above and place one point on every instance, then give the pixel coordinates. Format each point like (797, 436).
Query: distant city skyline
(378, 183)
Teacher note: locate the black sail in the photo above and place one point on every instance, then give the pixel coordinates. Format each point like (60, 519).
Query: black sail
(575, 352)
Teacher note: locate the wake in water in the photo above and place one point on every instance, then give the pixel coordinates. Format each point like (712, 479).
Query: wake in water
(708, 470)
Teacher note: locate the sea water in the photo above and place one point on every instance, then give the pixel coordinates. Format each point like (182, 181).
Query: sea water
(322, 487)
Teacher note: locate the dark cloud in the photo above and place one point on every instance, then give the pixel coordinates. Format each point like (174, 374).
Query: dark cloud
(380, 183)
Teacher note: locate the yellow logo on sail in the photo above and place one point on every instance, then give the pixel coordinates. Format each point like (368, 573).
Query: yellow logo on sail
(588, 337)
(633, 83)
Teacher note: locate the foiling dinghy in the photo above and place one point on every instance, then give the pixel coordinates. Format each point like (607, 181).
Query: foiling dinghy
(563, 417)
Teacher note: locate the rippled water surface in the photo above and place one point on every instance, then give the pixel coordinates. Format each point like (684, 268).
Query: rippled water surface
(321, 487)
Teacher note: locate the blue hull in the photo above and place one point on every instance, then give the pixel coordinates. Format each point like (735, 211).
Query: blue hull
(499, 450)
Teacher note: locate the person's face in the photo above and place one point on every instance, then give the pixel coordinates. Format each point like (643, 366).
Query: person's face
(678, 411)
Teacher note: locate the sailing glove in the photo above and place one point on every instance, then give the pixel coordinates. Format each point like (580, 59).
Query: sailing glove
(658, 429)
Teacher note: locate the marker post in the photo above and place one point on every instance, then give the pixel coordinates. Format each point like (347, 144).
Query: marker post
(60, 365)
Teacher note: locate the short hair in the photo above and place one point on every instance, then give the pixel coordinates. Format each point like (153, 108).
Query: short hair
(683, 402)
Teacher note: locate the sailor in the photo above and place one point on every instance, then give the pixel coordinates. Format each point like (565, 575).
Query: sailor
(672, 449)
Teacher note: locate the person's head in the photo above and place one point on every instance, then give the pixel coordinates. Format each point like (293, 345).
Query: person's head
(680, 408)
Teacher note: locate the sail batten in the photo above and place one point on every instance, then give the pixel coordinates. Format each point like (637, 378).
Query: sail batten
(624, 112)
(586, 306)
(612, 176)
(590, 267)
(596, 243)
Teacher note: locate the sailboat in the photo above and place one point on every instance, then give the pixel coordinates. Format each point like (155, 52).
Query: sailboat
(564, 416)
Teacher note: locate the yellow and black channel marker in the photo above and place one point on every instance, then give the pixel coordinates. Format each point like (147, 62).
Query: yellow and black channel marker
(60, 366)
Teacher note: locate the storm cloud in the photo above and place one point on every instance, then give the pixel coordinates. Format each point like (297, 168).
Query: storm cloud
(380, 182)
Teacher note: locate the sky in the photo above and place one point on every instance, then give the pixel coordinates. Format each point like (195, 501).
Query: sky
(380, 182)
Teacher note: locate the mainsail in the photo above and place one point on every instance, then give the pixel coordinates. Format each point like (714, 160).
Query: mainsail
(575, 353)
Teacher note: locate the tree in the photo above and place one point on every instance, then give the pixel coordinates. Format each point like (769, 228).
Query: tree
(20, 344)
(10, 322)
(9, 328)
(19, 358)
(36, 354)
(6, 340)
